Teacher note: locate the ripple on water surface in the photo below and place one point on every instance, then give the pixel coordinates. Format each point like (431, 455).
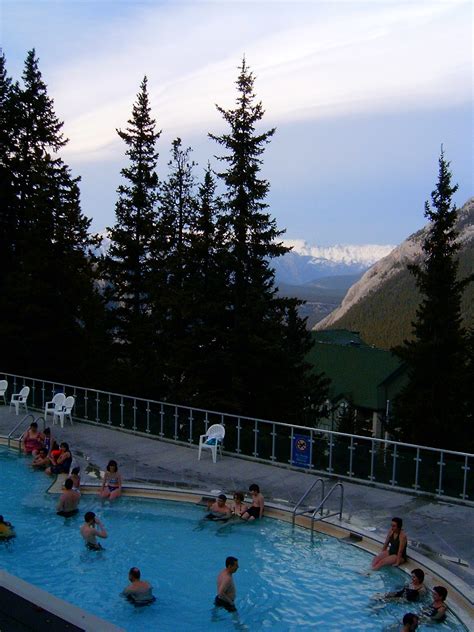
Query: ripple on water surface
(284, 582)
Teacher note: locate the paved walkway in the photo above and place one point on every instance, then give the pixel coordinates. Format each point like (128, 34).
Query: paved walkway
(438, 527)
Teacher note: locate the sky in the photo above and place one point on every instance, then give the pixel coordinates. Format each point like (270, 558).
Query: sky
(362, 94)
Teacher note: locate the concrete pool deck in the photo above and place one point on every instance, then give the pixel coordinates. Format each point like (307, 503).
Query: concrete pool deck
(437, 529)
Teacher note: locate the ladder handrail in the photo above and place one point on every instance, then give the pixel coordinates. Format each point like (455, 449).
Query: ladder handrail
(20, 422)
(320, 507)
(318, 480)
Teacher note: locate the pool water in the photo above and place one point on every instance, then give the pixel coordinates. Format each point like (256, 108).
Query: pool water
(284, 581)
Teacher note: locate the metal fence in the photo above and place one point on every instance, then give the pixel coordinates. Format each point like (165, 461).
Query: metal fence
(384, 463)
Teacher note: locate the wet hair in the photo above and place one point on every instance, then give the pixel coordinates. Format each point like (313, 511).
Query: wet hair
(76, 470)
(110, 464)
(254, 488)
(419, 574)
(55, 446)
(1, 519)
(64, 445)
(398, 522)
(442, 591)
(33, 424)
(222, 497)
(230, 561)
(409, 618)
(134, 572)
(89, 516)
(239, 496)
(47, 431)
(68, 484)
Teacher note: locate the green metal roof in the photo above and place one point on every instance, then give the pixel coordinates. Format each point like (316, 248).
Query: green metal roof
(338, 337)
(356, 370)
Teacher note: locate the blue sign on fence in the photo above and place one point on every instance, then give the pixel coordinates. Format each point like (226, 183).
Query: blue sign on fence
(301, 450)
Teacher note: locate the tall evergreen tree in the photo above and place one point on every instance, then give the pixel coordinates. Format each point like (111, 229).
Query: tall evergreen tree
(432, 407)
(170, 255)
(50, 299)
(127, 265)
(255, 360)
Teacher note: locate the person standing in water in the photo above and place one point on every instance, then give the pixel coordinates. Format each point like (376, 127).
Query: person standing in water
(138, 591)
(68, 501)
(92, 529)
(226, 592)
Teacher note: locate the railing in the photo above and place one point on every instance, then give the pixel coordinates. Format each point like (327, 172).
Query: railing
(297, 511)
(382, 463)
(10, 435)
(320, 507)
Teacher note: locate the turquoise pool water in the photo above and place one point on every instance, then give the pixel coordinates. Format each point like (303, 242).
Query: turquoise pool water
(284, 582)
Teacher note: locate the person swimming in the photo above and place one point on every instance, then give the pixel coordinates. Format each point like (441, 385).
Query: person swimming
(437, 610)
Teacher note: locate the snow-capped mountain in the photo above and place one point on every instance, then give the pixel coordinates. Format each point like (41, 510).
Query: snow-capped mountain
(307, 262)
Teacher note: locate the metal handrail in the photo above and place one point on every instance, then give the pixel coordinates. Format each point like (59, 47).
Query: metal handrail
(320, 507)
(10, 436)
(298, 504)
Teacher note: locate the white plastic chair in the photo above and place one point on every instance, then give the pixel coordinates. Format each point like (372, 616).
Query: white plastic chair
(54, 405)
(3, 390)
(212, 441)
(65, 411)
(19, 399)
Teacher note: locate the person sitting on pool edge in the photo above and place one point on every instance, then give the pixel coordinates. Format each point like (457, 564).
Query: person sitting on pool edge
(68, 501)
(138, 591)
(437, 610)
(226, 592)
(410, 622)
(112, 482)
(7, 530)
(90, 533)
(32, 439)
(412, 591)
(41, 460)
(218, 510)
(238, 506)
(255, 511)
(394, 552)
(61, 463)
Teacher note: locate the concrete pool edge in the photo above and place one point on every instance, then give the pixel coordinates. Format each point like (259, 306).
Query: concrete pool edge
(28, 603)
(461, 596)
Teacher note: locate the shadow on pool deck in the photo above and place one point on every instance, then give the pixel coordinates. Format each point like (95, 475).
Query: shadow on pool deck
(439, 527)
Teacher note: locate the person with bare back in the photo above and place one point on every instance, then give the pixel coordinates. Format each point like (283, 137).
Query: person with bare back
(255, 511)
(225, 597)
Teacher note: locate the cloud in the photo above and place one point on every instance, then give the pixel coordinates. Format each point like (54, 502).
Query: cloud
(311, 60)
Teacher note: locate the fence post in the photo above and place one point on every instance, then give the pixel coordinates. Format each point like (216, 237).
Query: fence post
(148, 416)
(351, 451)
(162, 419)
(273, 433)
(109, 406)
(239, 428)
(417, 468)
(255, 441)
(85, 405)
(190, 425)
(331, 444)
(97, 400)
(440, 490)
(466, 469)
(134, 415)
(393, 482)
(121, 411)
(372, 459)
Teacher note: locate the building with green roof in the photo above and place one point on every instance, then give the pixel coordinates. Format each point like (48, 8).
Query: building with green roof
(362, 377)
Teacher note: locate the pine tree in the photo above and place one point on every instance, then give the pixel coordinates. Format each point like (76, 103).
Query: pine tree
(431, 410)
(170, 255)
(50, 296)
(255, 361)
(7, 193)
(127, 265)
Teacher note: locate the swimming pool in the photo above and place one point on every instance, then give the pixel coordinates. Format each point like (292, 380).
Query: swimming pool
(284, 582)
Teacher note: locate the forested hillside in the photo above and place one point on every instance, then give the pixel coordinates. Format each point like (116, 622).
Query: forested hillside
(382, 305)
